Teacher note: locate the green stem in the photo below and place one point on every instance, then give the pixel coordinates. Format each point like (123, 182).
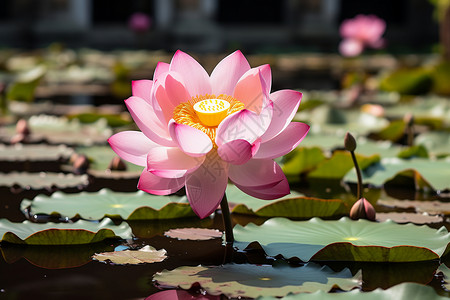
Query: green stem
(229, 237)
(358, 174)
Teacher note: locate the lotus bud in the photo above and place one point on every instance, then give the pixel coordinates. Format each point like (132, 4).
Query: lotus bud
(117, 164)
(408, 119)
(362, 209)
(349, 142)
(80, 164)
(22, 132)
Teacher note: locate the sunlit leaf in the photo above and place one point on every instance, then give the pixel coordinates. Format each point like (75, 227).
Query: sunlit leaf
(245, 280)
(446, 271)
(195, 234)
(436, 142)
(430, 207)
(339, 164)
(147, 254)
(415, 218)
(408, 81)
(345, 240)
(101, 156)
(96, 205)
(426, 173)
(294, 205)
(42, 180)
(404, 291)
(301, 160)
(80, 232)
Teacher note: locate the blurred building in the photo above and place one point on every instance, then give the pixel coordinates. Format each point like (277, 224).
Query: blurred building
(208, 25)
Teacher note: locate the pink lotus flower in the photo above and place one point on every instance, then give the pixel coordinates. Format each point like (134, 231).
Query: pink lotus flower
(359, 32)
(198, 131)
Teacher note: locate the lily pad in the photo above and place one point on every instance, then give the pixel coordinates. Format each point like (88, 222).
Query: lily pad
(346, 240)
(21, 152)
(340, 164)
(193, 234)
(404, 217)
(245, 280)
(106, 203)
(101, 156)
(446, 271)
(437, 142)
(42, 180)
(80, 232)
(301, 160)
(294, 205)
(430, 207)
(147, 254)
(403, 291)
(427, 174)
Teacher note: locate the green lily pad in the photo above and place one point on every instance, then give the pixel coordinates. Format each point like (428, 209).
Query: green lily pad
(42, 180)
(294, 205)
(80, 232)
(411, 81)
(446, 271)
(245, 280)
(404, 217)
(301, 160)
(430, 207)
(427, 174)
(340, 164)
(106, 203)
(346, 240)
(403, 291)
(101, 156)
(21, 152)
(392, 132)
(436, 142)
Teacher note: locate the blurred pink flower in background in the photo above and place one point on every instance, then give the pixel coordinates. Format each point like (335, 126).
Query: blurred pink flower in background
(360, 32)
(198, 131)
(139, 22)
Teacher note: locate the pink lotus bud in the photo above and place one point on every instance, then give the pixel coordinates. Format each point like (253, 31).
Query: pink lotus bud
(362, 209)
(117, 164)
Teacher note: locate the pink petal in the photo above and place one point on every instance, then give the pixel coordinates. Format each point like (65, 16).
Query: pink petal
(279, 190)
(244, 125)
(227, 73)
(283, 143)
(285, 106)
(266, 74)
(132, 146)
(145, 118)
(206, 186)
(171, 162)
(169, 92)
(195, 78)
(237, 152)
(351, 47)
(142, 89)
(256, 173)
(191, 141)
(251, 90)
(161, 67)
(153, 184)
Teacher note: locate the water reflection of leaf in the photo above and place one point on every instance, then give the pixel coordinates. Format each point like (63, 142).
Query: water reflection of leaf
(53, 257)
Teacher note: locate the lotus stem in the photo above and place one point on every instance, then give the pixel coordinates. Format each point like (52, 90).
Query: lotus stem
(229, 237)
(409, 120)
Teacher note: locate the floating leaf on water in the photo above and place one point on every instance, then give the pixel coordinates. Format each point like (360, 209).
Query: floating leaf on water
(20, 152)
(42, 180)
(427, 174)
(437, 142)
(96, 205)
(446, 271)
(80, 232)
(147, 254)
(294, 205)
(245, 280)
(403, 291)
(101, 156)
(345, 240)
(431, 207)
(409, 218)
(194, 234)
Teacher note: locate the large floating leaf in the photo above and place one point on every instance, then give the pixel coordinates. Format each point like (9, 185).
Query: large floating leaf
(244, 280)
(339, 164)
(408, 81)
(294, 205)
(302, 160)
(430, 207)
(21, 152)
(437, 143)
(80, 232)
(346, 240)
(95, 206)
(147, 254)
(426, 173)
(446, 271)
(42, 180)
(101, 156)
(403, 291)
(404, 217)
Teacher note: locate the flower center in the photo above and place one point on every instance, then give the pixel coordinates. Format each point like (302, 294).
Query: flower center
(206, 112)
(212, 111)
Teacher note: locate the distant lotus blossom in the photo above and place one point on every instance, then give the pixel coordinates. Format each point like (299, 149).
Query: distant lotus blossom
(139, 22)
(198, 131)
(360, 32)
